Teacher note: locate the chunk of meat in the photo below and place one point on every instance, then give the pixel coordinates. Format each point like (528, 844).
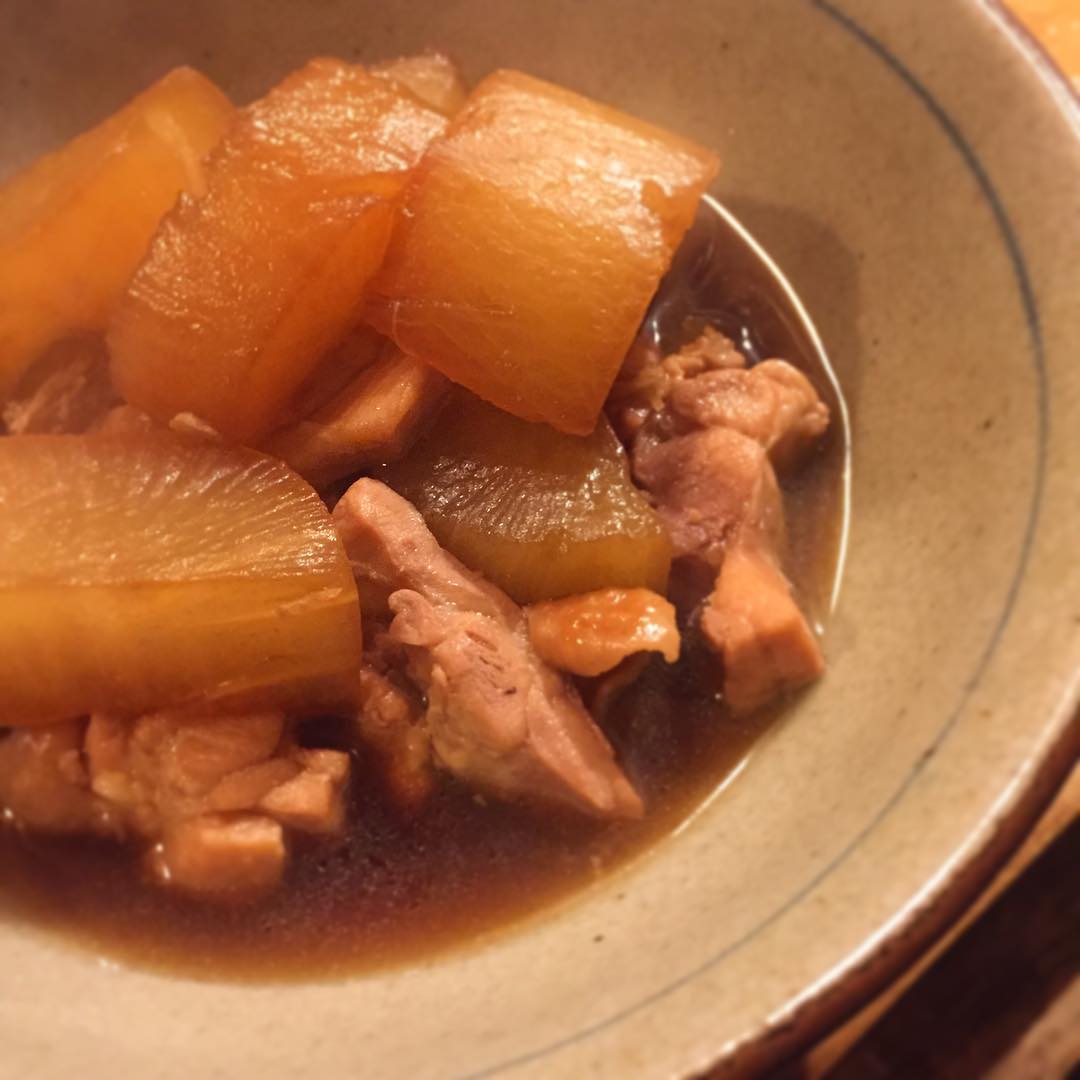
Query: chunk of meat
(391, 720)
(707, 384)
(752, 620)
(499, 716)
(248, 786)
(772, 403)
(313, 800)
(219, 855)
(709, 351)
(708, 486)
(647, 377)
(44, 783)
(212, 794)
(592, 633)
(66, 392)
(706, 432)
(164, 767)
(390, 548)
(373, 420)
(717, 493)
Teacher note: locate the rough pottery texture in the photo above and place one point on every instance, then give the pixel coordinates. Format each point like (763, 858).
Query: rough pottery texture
(917, 176)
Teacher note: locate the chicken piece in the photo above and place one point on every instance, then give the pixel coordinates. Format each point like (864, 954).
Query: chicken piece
(248, 786)
(212, 793)
(709, 351)
(44, 784)
(167, 767)
(772, 403)
(313, 800)
(164, 767)
(707, 384)
(647, 378)
(705, 434)
(373, 420)
(718, 494)
(66, 392)
(707, 486)
(752, 620)
(499, 716)
(222, 856)
(391, 720)
(593, 633)
(389, 547)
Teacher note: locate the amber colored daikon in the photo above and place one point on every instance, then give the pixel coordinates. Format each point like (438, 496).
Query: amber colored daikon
(244, 289)
(539, 513)
(147, 571)
(76, 223)
(535, 234)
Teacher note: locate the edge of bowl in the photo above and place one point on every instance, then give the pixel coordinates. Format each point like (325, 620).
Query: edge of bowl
(917, 927)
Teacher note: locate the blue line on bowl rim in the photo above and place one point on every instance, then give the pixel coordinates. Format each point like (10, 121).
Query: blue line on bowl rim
(1038, 358)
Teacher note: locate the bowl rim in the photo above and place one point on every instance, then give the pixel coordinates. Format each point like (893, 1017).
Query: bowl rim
(852, 985)
(924, 915)
(924, 918)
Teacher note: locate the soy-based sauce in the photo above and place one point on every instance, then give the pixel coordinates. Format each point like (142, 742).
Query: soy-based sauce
(397, 887)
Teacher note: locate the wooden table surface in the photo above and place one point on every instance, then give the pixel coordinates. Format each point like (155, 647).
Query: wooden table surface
(999, 996)
(1056, 23)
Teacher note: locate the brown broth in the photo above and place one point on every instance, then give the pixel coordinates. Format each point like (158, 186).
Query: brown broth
(397, 887)
(394, 888)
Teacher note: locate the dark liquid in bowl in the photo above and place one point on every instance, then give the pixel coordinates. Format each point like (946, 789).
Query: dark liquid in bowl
(395, 888)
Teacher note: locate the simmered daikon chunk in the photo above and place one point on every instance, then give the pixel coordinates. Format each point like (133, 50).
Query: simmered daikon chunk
(539, 513)
(76, 223)
(245, 289)
(140, 572)
(534, 236)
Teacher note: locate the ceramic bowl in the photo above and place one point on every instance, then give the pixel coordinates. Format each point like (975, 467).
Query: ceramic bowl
(915, 170)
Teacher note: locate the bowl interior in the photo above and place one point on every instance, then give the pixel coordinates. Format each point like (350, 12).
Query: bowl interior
(914, 176)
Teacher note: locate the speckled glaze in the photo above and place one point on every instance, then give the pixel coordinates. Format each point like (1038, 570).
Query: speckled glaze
(915, 170)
